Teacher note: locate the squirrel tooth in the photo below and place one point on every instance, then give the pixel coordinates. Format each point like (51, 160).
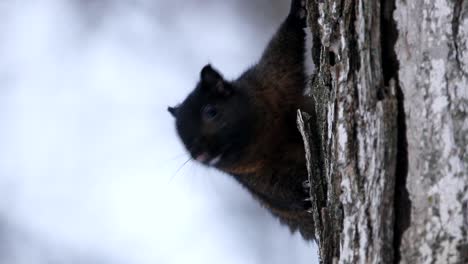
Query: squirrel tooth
(215, 161)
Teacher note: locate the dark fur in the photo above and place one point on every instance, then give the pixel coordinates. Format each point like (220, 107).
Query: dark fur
(254, 128)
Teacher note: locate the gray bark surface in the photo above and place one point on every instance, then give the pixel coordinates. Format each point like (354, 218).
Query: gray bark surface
(433, 52)
(386, 148)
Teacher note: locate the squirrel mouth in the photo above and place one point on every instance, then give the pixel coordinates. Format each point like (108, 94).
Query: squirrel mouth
(207, 159)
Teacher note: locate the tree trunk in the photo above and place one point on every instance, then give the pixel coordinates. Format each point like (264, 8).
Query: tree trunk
(387, 146)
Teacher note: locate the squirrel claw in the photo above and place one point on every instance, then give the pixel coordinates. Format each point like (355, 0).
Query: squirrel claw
(307, 203)
(298, 9)
(306, 188)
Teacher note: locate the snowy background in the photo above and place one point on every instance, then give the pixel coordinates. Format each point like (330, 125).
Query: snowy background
(91, 170)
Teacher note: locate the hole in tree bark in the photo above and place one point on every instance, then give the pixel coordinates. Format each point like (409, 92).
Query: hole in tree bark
(331, 58)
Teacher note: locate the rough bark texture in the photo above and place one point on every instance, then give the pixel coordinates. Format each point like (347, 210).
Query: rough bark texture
(386, 149)
(432, 49)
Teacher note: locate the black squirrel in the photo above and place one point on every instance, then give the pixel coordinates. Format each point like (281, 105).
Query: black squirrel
(247, 127)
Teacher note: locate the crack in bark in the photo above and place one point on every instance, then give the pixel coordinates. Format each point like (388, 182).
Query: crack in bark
(389, 37)
(354, 62)
(455, 27)
(369, 224)
(390, 68)
(402, 204)
(313, 25)
(354, 66)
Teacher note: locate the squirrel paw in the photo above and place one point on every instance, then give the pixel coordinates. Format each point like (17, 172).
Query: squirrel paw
(298, 10)
(307, 202)
(306, 185)
(307, 205)
(302, 11)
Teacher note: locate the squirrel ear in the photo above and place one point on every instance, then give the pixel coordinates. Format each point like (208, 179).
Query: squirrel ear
(210, 76)
(214, 80)
(173, 111)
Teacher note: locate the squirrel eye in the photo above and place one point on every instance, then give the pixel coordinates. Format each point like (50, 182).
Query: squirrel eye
(209, 112)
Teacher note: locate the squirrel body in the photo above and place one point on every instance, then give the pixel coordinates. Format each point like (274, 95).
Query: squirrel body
(247, 127)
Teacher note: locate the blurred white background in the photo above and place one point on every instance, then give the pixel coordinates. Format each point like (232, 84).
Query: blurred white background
(91, 169)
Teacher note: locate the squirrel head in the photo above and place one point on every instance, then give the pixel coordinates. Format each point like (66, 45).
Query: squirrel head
(215, 121)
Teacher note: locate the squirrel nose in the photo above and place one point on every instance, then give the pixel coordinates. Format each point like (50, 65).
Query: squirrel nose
(203, 157)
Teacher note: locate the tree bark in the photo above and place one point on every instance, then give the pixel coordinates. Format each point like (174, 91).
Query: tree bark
(432, 49)
(387, 144)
